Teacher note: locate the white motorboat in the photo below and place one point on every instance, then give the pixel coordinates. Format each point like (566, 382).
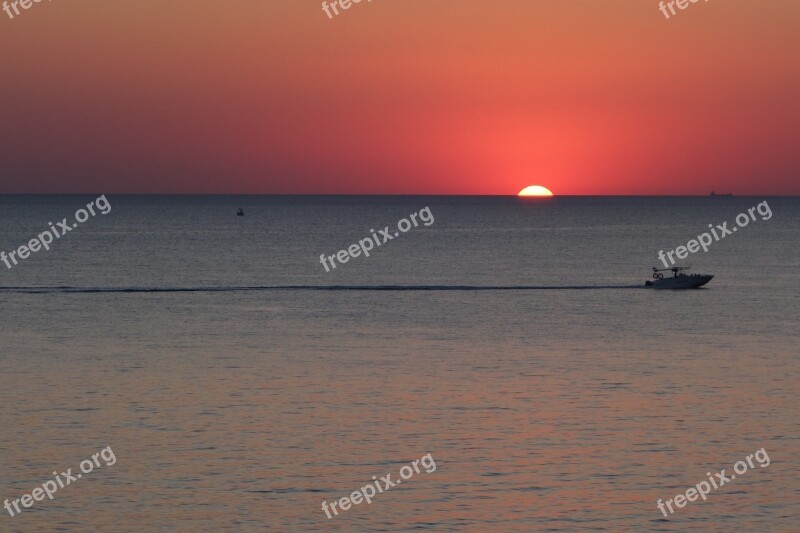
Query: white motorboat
(679, 279)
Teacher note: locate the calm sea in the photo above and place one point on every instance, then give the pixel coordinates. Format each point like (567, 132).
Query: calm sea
(238, 396)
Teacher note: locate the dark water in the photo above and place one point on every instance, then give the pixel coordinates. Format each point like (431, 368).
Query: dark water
(240, 384)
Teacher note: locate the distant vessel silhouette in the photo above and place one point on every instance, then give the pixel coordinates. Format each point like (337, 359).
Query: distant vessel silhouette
(723, 194)
(679, 279)
(240, 213)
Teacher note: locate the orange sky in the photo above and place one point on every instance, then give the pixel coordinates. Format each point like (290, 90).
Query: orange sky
(400, 97)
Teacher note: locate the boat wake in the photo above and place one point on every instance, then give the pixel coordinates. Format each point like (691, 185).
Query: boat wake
(84, 290)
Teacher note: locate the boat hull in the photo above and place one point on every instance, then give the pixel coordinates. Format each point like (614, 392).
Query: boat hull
(680, 282)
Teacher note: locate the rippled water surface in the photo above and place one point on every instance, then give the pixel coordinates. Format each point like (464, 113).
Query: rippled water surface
(237, 396)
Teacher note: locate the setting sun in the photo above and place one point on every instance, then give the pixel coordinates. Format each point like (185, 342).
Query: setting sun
(535, 190)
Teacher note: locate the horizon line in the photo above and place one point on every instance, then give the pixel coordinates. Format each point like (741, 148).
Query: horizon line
(708, 195)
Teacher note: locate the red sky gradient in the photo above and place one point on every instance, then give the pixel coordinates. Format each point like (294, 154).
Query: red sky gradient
(400, 97)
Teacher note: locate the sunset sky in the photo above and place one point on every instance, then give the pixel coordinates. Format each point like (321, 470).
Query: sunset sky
(400, 97)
